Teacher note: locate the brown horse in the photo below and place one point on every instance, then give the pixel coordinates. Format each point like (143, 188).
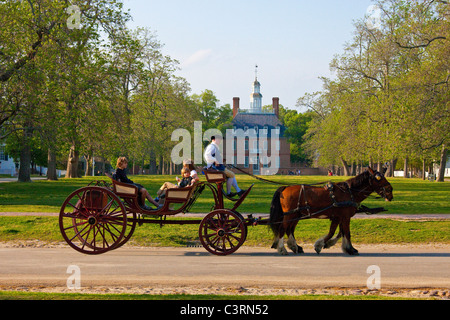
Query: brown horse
(336, 201)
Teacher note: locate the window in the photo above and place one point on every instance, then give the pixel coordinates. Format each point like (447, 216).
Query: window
(246, 164)
(3, 154)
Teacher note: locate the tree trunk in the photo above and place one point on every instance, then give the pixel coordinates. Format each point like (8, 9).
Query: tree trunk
(344, 164)
(88, 170)
(25, 156)
(51, 166)
(25, 163)
(379, 166)
(72, 163)
(353, 169)
(405, 169)
(441, 175)
(423, 169)
(392, 167)
(152, 163)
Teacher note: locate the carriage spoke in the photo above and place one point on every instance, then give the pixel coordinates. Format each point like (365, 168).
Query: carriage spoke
(78, 234)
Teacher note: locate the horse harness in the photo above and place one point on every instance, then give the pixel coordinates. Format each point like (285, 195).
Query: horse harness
(335, 204)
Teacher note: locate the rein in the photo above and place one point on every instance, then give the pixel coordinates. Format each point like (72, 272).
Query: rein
(270, 181)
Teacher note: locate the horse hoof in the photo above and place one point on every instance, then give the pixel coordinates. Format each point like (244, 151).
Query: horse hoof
(352, 252)
(318, 246)
(298, 250)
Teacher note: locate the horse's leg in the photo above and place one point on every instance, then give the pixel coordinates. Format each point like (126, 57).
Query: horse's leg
(280, 241)
(278, 236)
(333, 241)
(324, 241)
(292, 243)
(346, 240)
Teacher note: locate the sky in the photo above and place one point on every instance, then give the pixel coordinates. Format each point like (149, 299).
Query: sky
(218, 43)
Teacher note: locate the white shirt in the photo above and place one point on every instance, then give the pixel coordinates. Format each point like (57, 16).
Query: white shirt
(212, 154)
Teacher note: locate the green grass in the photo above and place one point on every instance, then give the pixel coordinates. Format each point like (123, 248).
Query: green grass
(367, 231)
(411, 196)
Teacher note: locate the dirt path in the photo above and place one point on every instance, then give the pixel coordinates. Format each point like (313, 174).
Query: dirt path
(407, 271)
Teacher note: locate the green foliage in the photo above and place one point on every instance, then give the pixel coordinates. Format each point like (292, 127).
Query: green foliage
(390, 97)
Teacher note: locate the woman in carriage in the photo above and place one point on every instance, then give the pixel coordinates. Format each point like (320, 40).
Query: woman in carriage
(121, 176)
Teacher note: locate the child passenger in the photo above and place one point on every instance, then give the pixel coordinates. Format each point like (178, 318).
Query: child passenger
(186, 181)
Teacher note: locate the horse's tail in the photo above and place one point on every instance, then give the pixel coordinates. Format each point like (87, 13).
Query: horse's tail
(276, 212)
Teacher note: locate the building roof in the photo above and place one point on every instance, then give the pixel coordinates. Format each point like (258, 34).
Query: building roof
(259, 120)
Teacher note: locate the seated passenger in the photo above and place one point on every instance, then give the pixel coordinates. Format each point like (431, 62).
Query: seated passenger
(121, 176)
(186, 181)
(188, 163)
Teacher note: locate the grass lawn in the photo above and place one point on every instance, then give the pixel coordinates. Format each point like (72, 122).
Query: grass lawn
(368, 231)
(411, 196)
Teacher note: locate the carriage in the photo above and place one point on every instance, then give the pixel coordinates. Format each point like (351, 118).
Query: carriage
(103, 216)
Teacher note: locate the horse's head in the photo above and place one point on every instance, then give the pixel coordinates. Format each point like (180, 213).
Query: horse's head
(380, 185)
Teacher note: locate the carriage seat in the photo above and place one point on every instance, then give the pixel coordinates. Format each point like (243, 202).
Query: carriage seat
(215, 176)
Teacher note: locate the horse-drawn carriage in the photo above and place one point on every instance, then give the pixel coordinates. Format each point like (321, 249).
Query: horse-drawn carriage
(103, 217)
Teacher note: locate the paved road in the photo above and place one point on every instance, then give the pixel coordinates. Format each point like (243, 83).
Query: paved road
(421, 266)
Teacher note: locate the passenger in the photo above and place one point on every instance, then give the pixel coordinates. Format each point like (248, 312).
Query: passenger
(121, 176)
(186, 181)
(214, 160)
(189, 164)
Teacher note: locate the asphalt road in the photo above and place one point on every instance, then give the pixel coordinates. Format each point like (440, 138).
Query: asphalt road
(418, 266)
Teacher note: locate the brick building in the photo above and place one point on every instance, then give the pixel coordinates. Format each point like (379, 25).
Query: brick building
(259, 146)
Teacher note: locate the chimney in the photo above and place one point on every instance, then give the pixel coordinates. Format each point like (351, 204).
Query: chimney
(235, 106)
(276, 106)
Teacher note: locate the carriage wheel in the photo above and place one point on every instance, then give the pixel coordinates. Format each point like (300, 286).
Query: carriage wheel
(93, 220)
(131, 226)
(222, 232)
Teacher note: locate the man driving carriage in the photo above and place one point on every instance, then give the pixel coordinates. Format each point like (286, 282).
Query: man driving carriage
(214, 161)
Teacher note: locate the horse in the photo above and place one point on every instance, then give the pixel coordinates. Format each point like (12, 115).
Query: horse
(335, 201)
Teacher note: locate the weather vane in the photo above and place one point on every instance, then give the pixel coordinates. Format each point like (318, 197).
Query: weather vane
(256, 71)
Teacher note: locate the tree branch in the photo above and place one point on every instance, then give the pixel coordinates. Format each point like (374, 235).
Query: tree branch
(426, 44)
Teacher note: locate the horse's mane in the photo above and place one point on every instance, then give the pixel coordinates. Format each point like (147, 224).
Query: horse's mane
(359, 181)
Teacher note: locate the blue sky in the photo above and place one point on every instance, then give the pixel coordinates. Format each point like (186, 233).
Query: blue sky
(218, 43)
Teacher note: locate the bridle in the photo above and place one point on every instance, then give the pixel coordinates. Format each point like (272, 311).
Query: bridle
(380, 190)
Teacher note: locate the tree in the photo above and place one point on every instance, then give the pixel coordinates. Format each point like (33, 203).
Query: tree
(390, 96)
